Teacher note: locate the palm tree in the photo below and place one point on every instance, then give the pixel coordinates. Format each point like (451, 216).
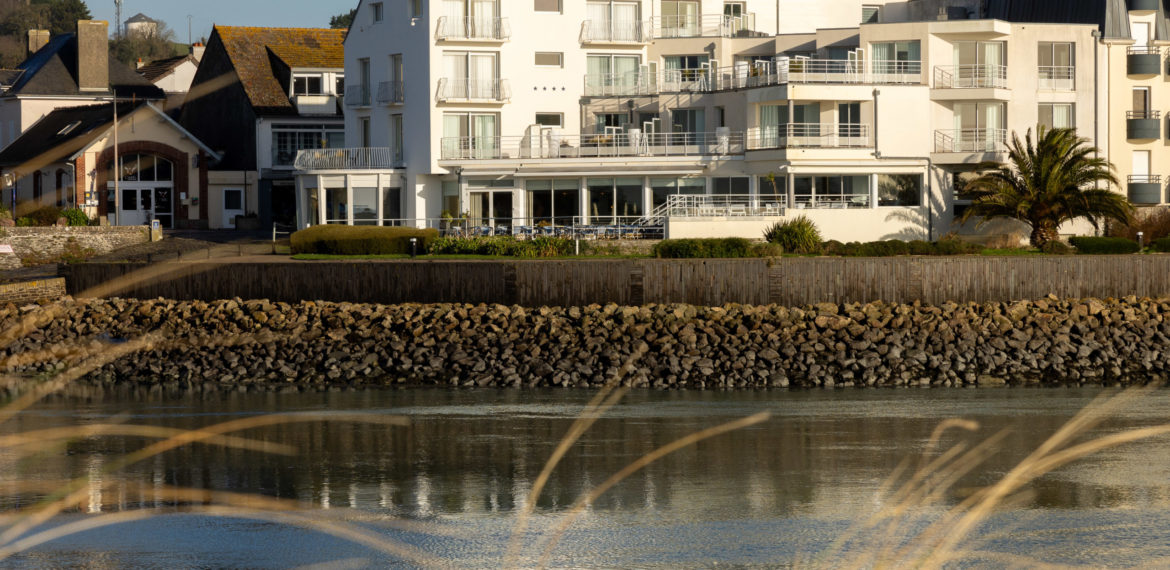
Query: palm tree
(1047, 184)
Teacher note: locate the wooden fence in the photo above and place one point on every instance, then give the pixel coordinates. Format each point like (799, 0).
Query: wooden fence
(788, 281)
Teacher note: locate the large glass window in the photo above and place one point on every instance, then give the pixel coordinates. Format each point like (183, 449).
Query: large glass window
(608, 74)
(288, 139)
(897, 57)
(450, 205)
(336, 206)
(471, 75)
(739, 186)
(365, 206)
(680, 19)
(553, 202)
(831, 191)
(312, 207)
(391, 206)
(1056, 65)
(470, 135)
(899, 189)
(1056, 116)
(142, 168)
(614, 201)
(662, 189)
(774, 189)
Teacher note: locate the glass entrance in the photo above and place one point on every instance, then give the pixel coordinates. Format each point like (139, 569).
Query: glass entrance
(491, 212)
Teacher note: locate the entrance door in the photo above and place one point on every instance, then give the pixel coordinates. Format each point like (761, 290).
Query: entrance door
(164, 207)
(233, 205)
(133, 211)
(491, 212)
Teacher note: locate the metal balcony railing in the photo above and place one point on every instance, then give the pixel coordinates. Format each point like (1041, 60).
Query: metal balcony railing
(1143, 50)
(720, 205)
(357, 96)
(1143, 115)
(759, 74)
(706, 26)
(810, 135)
(391, 93)
(970, 76)
(1057, 77)
(497, 90)
(1144, 179)
(602, 31)
(477, 29)
(346, 159)
(550, 144)
(970, 140)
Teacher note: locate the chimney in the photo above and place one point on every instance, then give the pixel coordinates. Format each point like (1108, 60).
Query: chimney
(942, 13)
(93, 55)
(197, 50)
(37, 40)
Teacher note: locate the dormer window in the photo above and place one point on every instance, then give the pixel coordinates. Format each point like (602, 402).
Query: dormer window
(307, 85)
(68, 128)
(376, 8)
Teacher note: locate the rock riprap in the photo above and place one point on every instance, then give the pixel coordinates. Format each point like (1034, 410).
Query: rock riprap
(260, 343)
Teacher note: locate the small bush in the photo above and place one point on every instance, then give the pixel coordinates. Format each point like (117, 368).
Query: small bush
(360, 240)
(1161, 245)
(25, 222)
(703, 248)
(798, 235)
(1104, 245)
(895, 247)
(76, 217)
(1057, 248)
(956, 247)
(46, 216)
(766, 250)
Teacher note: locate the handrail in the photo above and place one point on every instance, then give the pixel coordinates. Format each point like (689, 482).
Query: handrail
(378, 158)
(609, 31)
(357, 96)
(1061, 77)
(970, 140)
(970, 76)
(391, 92)
(497, 90)
(1143, 50)
(704, 26)
(1144, 179)
(1137, 115)
(810, 135)
(551, 144)
(473, 29)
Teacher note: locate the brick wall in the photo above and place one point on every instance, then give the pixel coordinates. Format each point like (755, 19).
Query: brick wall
(51, 243)
(32, 291)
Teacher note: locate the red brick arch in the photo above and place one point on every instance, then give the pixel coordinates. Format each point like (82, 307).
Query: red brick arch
(180, 161)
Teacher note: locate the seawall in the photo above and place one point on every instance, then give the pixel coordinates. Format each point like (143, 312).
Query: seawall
(316, 344)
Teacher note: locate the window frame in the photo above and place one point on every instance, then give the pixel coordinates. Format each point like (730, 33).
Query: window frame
(378, 12)
(537, 9)
(560, 59)
(560, 117)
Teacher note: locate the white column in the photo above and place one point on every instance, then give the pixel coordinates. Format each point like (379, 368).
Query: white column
(348, 200)
(584, 199)
(873, 191)
(381, 184)
(321, 200)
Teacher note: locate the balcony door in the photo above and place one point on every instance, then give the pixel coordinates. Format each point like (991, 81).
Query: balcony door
(471, 75)
(979, 127)
(471, 18)
(614, 21)
(1141, 102)
(470, 136)
(1141, 33)
(1141, 165)
(980, 64)
(680, 19)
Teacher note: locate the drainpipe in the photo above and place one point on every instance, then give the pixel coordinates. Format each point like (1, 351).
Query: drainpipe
(876, 153)
(1096, 98)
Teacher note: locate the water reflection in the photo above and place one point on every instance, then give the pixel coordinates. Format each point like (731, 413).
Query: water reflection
(472, 455)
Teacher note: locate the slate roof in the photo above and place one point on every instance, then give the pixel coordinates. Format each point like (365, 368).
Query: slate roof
(157, 69)
(53, 71)
(1110, 16)
(252, 51)
(44, 143)
(141, 18)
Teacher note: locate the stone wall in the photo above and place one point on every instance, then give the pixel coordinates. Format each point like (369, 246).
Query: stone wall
(49, 244)
(265, 344)
(32, 291)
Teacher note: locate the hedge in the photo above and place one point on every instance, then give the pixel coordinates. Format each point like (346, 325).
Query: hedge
(1104, 245)
(360, 240)
(503, 246)
(894, 247)
(713, 248)
(1161, 245)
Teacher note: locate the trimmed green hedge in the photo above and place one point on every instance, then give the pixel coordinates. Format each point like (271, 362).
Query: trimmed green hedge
(709, 248)
(894, 247)
(1104, 245)
(503, 246)
(1161, 245)
(360, 240)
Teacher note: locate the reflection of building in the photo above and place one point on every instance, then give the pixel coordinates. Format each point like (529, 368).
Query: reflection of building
(264, 94)
(142, 26)
(705, 118)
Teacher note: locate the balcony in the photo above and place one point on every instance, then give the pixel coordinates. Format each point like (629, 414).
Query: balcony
(1143, 125)
(711, 26)
(970, 77)
(1057, 77)
(810, 135)
(473, 29)
(1142, 5)
(316, 104)
(347, 159)
(357, 96)
(608, 32)
(550, 144)
(391, 93)
(970, 141)
(1143, 60)
(473, 90)
(1145, 189)
(622, 84)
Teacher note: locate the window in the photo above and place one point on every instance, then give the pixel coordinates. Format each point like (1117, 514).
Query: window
(550, 59)
(38, 187)
(661, 189)
(680, 19)
(610, 120)
(554, 202)
(364, 129)
(738, 186)
(980, 64)
(339, 85)
(550, 119)
(1141, 102)
(364, 78)
(869, 14)
(613, 21)
(376, 8)
(307, 85)
(450, 201)
(470, 135)
(416, 8)
(396, 137)
(142, 168)
(688, 121)
(547, 6)
(897, 57)
(612, 74)
(1056, 66)
(288, 139)
(685, 67)
(831, 191)
(1057, 116)
(68, 128)
(611, 199)
(899, 190)
(471, 75)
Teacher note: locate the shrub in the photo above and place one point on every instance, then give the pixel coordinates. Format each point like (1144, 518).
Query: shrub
(360, 240)
(46, 216)
(766, 250)
(1154, 223)
(503, 246)
(25, 222)
(703, 248)
(76, 217)
(954, 246)
(798, 235)
(1161, 245)
(1055, 247)
(1104, 245)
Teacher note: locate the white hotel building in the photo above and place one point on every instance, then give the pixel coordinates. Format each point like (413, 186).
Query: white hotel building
(703, 118)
